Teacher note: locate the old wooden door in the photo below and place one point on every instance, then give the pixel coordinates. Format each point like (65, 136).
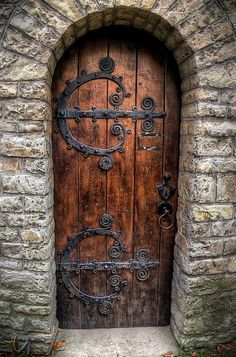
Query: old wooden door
(112, 143)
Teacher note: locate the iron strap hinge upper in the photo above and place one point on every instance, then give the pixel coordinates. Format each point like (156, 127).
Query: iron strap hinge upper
(75, 113)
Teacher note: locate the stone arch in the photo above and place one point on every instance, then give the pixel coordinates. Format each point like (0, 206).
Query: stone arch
(201, 36)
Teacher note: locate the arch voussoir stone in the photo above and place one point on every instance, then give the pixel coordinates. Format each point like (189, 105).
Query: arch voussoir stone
(201, 36)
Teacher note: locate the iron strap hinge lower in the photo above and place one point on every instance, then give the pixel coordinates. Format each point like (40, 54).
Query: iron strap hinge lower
(100, 266)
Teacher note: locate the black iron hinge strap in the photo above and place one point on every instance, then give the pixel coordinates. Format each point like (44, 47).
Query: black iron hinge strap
(62, 113)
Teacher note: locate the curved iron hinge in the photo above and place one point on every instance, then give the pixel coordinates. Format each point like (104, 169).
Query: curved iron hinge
(140, 265)
(62, 113)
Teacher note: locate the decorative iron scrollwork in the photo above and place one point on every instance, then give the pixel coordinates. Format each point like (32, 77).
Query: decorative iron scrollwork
(105, 163)
(62, 113)
(106, 221)
(165, 209)
(141, 265)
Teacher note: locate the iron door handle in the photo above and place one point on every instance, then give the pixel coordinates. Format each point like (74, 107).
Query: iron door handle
(165, 209)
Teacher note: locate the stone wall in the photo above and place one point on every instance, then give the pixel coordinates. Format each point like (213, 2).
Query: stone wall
(201, 34)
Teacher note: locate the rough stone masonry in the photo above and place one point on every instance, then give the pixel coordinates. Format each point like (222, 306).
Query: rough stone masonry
(201, 34)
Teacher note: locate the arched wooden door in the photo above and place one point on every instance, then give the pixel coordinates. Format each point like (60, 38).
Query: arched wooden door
(112, 143)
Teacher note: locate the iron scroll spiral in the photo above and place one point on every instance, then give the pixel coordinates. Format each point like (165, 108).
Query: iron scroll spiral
(107, 64)
(147, 103)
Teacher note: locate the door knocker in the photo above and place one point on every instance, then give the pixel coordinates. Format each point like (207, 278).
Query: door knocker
(165, 209)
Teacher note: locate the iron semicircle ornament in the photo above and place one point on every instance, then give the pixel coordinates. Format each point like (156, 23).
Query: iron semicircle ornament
(140, 264)
(63, 112)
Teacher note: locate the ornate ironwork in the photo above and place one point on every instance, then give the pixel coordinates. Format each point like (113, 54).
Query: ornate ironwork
(106, 221)
(165, 209)
(141, 265)
(105, 163)
(62, 113)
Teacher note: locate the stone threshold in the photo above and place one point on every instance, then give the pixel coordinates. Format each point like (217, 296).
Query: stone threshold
(117, 342)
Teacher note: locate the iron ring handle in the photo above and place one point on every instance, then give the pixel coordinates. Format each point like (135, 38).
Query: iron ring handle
(171, 221)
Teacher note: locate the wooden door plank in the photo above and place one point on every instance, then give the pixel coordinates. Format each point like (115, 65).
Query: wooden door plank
(92, 180)
(170, 164)
(148, 169)
(65, 175)
(120, 179)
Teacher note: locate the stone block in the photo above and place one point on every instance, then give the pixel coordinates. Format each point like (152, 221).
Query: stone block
(36, 252)
(189, 82)
(95, 21)
(232, 264)
(28, 184)
(38, 166)
(37, 324)
(42, 299)
(200, 267)
(31, 310)
(211, 110)
(14, 67)
(8, 90)
(29, 25)
(230, 243)
(208, 146)
(38, 204)
(212, 33)
(5, 11)
(38, 235)
(197, 188)
(200, 19)
(38, 266)
(201, 247)
(28, 220)
(212, 212)
(35, 90)
(216, 53)
(181, 53)
(200, 94)
(215, 128)
(5, 307)
(32, 127)
(11, 250)
(228, 96)
(226, 188)
(8, 126)
(47, 15)
(180, 10)
(27, 111)
(69, 36)
(25, 281)
(11, 204)
(9, 262)
(69, 9)
(219, 76)
(16, 41)
(7, 295)
(10, 164)
(205, 285)
(204, 110)
(24, 146)
(9, 234)
(208, 165)
(162, 30)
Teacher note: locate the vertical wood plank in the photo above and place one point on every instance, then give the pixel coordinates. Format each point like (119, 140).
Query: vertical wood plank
(92, 180)
(120, 179)
(170, 164)
(65, 176)
(148, 169)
